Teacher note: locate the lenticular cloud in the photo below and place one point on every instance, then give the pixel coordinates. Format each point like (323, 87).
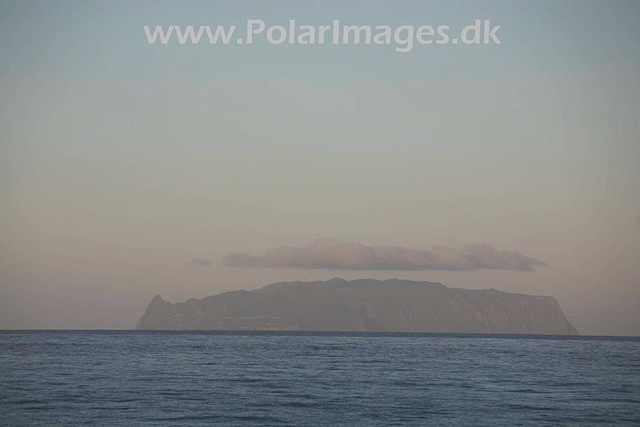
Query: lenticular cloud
(332, 254)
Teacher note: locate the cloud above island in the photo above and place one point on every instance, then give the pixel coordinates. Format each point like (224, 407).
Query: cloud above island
(332, 254)
(203, 262)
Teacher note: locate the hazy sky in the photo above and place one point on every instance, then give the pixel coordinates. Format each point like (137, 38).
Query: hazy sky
(128, 170)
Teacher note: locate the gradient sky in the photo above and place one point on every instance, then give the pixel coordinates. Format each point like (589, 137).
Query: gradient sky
(120, 161)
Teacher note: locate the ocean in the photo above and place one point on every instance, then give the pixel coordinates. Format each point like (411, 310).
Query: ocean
(144, 378)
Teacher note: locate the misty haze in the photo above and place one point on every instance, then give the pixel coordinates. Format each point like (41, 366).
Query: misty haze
(386, 229)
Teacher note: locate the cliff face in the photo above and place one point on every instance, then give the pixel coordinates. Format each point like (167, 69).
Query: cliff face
(363, 305)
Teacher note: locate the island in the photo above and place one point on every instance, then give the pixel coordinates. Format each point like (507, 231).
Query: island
(392, 305)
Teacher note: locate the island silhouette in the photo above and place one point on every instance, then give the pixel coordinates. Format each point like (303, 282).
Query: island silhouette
(392, 305)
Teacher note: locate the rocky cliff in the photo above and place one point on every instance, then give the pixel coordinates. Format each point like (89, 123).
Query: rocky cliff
(363, 305)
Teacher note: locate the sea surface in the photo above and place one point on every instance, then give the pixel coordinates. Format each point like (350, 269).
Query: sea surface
(132, 378)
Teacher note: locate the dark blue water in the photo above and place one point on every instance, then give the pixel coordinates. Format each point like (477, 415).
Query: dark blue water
(297, 379)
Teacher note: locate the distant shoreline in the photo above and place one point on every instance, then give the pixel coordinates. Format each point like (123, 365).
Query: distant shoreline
(337, 334)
